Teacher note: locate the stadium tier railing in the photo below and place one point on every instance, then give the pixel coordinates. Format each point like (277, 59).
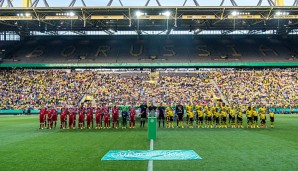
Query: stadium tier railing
(140, 65)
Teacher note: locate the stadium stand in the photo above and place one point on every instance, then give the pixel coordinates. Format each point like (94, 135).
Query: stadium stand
(152, 50)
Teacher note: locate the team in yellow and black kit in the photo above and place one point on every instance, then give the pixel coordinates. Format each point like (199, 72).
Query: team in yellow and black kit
(220, 116)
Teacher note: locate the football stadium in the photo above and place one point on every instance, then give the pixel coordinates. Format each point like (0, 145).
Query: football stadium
(138, 85)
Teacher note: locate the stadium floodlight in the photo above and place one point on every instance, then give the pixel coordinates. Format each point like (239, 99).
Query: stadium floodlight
(235, 13)
(71, 14)
(27, 14)
(167, 13)
(139, 13)
(279, 13)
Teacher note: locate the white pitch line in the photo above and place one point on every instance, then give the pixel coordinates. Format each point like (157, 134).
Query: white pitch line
(150, 162)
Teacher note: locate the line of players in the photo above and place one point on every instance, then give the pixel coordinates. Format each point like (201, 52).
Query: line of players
(48, 117)
(205, 116)
(219, 116)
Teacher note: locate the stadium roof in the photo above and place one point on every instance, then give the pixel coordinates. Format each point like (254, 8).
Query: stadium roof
(113, 20)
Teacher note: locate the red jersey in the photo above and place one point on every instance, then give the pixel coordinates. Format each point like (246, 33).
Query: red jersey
(107, 117)
(82, 115)
(115, 113)
(42, 113)
(74, 112)
(53, 112)
(50, 115)
(63, 114)
(132, 113)
(99, 112)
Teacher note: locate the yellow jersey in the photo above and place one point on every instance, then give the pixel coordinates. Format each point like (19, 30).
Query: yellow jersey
(271, 114)
(189, 110)
(198, 107)
(263, 116)
(249, 113)
(170, 112)
(209, 113)
(239, 114)
(224, 113)
(200, 113)
(191, 115)
(255, 113)
(232, 112)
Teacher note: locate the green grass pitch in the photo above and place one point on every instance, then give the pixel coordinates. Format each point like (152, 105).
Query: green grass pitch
(24, 147)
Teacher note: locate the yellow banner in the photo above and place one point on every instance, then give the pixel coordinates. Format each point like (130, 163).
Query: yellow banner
(15, 18)
(285, 16)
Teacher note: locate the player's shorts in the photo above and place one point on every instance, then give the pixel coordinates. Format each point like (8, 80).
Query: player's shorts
(171, 118)
(106, 120)
(217, 119)
(187, 117)
(271, 119)
(239, 119)
(81, 119)
(41, 120)
(255, 118)
(209, 118)
(263, 121)
(224, 119)
(191, 119)
(115, 119)
(180, 117)
(97, 120)
(49, 120)
(249, 119)
(161, 117)
(201, 119)
(54, 118)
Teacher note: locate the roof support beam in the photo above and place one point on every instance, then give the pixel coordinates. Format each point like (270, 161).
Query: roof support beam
(232, 2)
(73, 2)
(195, 1)
(147, 3)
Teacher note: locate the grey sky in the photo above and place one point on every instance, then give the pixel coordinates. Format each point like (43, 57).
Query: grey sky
(18, 3)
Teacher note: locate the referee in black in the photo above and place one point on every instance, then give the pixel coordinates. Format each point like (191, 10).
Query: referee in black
(161, 115)
(143, 108)
(180, 113)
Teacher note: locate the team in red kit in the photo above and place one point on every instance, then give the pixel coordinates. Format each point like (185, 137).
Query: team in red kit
(48, 117)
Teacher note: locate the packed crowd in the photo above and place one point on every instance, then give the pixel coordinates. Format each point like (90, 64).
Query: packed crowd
(278, 88)
(22, 89)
